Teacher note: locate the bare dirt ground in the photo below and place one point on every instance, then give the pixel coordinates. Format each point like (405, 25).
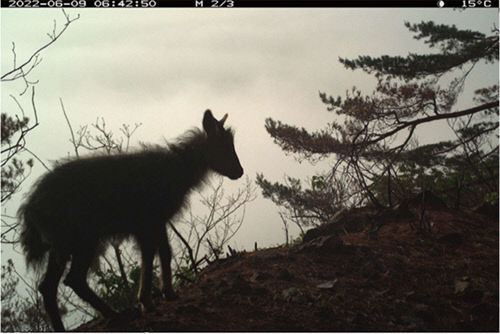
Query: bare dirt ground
(384, 277)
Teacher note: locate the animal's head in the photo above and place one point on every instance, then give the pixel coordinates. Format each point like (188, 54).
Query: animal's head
(221, 155)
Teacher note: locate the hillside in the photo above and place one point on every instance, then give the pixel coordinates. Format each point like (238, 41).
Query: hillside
(381, 276)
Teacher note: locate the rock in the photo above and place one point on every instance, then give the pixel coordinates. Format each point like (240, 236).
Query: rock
(325, 244)
(330, 243)
(327, 285)
(311, 234)
(330, 229)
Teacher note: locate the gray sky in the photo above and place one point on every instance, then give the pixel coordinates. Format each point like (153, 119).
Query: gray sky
(164, 67)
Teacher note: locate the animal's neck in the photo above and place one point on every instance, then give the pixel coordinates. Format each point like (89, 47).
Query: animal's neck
(192, 160)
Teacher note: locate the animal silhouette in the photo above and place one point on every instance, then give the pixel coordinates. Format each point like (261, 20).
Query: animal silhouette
(75, 210)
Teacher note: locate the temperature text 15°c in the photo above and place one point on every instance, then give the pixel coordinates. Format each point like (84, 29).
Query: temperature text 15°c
(476, 3)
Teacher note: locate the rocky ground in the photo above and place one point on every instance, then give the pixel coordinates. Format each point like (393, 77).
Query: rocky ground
(382, 275)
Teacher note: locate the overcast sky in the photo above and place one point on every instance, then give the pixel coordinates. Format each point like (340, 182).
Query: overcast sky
(164, 67)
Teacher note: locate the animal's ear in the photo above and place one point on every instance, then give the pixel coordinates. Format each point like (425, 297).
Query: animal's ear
(209, 123)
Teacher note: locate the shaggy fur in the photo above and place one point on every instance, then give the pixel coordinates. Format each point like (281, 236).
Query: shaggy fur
(77, 208)
(89, 200)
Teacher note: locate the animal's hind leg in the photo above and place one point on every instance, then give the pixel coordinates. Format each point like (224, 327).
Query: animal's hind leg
(77, 280)
(166, 271)
(48, 289)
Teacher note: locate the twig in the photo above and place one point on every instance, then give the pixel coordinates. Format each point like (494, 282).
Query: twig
(75, 146)
(35, 54)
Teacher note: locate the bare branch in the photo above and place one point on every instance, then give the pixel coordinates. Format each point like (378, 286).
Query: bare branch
(55, 37)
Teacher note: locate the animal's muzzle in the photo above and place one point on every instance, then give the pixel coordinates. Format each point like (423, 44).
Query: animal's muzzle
(237, 174)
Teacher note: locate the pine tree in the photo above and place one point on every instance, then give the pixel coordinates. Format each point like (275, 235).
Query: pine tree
(377, 137)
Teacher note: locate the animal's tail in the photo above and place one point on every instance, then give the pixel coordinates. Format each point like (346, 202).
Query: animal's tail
(31, 239)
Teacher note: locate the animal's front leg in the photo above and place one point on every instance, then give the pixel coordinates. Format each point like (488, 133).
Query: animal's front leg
(166, 271)
(146, 279)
